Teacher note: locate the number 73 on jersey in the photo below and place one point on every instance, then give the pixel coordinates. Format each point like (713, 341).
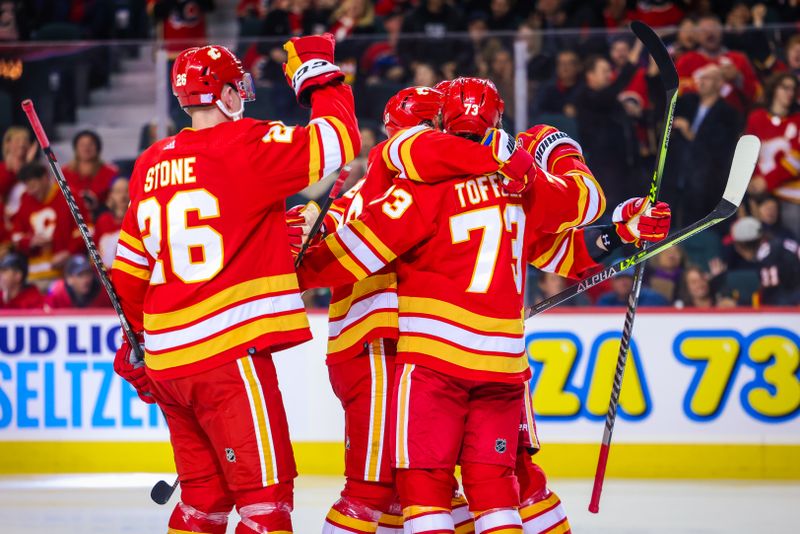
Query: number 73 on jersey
(496, 227)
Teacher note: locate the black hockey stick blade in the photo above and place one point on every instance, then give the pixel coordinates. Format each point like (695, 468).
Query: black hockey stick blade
(656, 48)
(162, 491)
(744, 163)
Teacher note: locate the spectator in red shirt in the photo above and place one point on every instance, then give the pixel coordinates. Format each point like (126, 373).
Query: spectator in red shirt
(87, 174)
(778, 127)
(742, 87)
(79, 288)
(43, 228)
(17, 151)
(15, 292)
(180, 20)
(107, 227)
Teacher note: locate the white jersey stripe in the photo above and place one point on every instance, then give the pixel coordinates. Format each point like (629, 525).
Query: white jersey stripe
(383, 300)
(215, 323)
(394, 148)
(130, 255)
(512, 345)
(551, 265)
(360, 250)
(331, 146)
(594, 201)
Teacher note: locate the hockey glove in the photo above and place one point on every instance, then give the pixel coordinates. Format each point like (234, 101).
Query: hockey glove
(636, 220)
(133, 371)
(309, 65)
(299, 220)
(516, 165)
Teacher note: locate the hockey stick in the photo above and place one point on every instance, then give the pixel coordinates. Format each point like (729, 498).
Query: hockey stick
(158, 493)
(744, 162)
(669, 78)
(337, 186)
(94, 256)
(162, 491)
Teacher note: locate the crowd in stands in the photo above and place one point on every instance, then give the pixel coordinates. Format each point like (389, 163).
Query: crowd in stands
(739, 69)
(43, 264)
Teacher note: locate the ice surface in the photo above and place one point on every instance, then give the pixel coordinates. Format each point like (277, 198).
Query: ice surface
(116, 504)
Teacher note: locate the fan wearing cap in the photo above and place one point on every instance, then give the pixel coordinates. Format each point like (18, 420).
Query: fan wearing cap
(203, 269)
(79, 288)
(15, 292)
(775, 261)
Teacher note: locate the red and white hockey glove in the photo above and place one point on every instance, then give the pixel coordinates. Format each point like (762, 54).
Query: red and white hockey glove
(133, 371)
(636, 220)
(310, 65)
(517, 166)
(299, 220)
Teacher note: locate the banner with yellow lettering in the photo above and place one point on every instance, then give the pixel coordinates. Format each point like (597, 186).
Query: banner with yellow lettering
(704, 394)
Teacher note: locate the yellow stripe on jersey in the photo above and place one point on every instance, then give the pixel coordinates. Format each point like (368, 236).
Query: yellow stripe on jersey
(351, 523)
(313, 157)
(120, 265)
(387, 159)
(133, 242)
(529, 418)
(405, 158)
(359, 329)
(263, 286)
(371, 284)
(378, 410)
(459, 316)
(546, 256)
(260, 419)
(347, 143)
(369, 236)
(601, 204)
(228, 340)
(460, 357)
(583, 201)
(401, 441)
(344, 258)
(569, 256)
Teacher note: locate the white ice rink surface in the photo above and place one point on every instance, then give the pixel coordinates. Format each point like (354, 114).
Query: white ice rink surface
(115, 504)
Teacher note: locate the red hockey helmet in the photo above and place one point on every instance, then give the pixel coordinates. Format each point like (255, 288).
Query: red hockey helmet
(471, 106)
(412, 106)
(200, 74)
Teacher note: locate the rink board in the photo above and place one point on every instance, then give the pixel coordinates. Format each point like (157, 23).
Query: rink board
(706, 395)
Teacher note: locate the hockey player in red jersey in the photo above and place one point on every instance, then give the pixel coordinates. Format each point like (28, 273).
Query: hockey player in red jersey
(203, 269)
(363, 316)
(459, 390)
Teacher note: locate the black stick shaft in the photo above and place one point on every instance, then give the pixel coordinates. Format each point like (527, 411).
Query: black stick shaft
(315, 228)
